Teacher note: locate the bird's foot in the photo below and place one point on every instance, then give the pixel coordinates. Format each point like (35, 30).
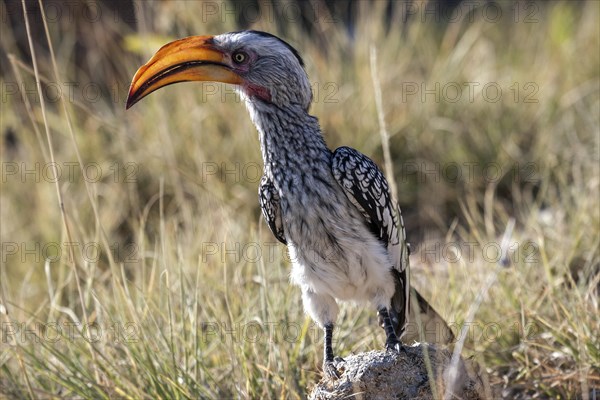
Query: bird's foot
(330, 370)
(333, 369)
(394, 345)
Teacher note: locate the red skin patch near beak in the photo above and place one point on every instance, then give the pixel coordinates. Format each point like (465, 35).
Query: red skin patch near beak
(257, 91)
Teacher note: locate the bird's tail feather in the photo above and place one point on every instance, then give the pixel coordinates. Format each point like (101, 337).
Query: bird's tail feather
(421, 323)
(426, 325)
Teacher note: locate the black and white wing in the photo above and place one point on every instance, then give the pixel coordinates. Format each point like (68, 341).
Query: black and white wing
(268, 198)
(368, 190)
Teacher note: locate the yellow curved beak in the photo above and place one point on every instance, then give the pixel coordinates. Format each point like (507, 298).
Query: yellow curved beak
(194, 58)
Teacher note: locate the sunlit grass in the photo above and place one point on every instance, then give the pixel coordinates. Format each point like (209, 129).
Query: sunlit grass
(194, 299)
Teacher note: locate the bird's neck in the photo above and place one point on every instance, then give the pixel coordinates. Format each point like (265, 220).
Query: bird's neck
(290, 138)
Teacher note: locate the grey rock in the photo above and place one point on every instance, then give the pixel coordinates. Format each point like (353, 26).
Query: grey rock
(389, 375)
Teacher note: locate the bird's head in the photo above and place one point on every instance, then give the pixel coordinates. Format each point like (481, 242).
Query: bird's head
(262, 66)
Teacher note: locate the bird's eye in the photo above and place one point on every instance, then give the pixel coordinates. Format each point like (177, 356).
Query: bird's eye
(239, 57)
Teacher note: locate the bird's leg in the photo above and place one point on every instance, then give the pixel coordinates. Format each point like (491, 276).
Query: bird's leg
(328, 353)
(392, 342)
(328, 359)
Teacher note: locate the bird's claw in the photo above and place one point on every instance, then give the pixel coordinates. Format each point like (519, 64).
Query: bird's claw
(332, 368)
(395, 346)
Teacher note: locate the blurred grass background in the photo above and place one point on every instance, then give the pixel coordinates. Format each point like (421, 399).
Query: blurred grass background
(184, 289)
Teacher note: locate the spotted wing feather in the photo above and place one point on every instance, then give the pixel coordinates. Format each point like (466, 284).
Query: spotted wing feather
(368, 190)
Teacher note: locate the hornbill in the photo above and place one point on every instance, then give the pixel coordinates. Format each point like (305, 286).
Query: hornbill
(333, 210)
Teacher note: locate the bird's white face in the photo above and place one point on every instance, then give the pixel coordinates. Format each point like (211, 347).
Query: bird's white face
(264, 67)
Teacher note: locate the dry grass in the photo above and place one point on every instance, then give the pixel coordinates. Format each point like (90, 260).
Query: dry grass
(184, 289)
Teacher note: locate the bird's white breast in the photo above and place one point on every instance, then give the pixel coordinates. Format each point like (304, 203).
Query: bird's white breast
(334, 253)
